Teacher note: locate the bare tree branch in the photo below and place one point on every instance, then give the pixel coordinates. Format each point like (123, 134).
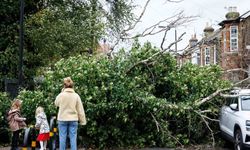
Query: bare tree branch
(205, 111)
(156, 122)
(211, 96)
(159, 127)
(240, 82)
(173, 21)
(178, 40)
(215, 120)
(164, 38)
(219, 92)
(207, 124)
(145, 61)
(237, 69)
(139, 18)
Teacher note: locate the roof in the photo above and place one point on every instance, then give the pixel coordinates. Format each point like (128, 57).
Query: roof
(245, 15)
(242, 17)
(214, 35)
(209, 38)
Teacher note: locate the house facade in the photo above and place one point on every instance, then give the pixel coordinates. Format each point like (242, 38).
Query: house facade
(229, 46)
(235, 41)
(205, 51)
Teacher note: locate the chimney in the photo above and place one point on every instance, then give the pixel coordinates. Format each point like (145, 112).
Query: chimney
(193, 41)
(208, 30)
(232, 13)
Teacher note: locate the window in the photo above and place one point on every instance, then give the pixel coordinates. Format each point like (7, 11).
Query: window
(198, 58)
(245, 102)
(207, 56)
(224, 40)
(234, 38)
(215, 55)
(231, 100)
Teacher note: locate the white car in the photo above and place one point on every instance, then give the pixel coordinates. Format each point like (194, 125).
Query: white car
(235, 118)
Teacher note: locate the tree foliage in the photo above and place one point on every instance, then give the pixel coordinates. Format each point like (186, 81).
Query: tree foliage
(54, 30)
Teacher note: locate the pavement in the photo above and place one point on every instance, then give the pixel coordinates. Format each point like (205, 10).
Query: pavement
(190, 148)
(8, 148)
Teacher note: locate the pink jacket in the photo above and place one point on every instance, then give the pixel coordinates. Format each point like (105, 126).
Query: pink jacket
(16, 122)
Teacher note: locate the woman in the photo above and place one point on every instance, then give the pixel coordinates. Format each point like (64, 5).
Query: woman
(16, 122)
(70, 112)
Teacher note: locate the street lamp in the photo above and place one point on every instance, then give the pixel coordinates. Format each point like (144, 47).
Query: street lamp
(21, 38)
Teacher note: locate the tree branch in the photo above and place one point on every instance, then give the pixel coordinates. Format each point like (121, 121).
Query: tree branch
(211, 131)
(145, 61)
(139, 18)
(237, 69)
(211, 96)
(159, 127)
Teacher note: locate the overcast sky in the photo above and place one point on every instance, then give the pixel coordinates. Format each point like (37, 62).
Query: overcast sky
(209, 11)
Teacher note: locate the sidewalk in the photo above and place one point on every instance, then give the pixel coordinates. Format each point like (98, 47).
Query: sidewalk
(8, 148)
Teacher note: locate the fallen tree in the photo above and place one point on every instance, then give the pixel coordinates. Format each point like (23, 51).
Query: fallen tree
(153, 104)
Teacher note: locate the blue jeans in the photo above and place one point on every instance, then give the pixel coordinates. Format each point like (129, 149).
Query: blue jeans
(67, 128)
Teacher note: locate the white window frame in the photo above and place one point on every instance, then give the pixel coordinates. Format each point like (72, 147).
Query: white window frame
(207, 56)
(234, 38)
(198, 58)
(215, 55)
(195, 58)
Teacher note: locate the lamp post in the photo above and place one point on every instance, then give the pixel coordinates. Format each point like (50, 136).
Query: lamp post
(21, 38)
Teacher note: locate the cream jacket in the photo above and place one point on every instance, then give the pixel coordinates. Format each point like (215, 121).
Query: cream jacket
(70, 106)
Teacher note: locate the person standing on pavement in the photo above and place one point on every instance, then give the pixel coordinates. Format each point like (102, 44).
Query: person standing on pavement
(43, 126)
(16, 122)
(70, 112)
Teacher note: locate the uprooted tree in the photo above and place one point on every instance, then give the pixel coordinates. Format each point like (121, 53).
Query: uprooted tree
(153, 103)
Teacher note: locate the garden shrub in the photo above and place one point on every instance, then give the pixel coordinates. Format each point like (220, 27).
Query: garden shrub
(5, 102)
(33, 99)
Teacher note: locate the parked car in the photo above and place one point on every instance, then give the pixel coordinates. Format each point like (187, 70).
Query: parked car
(234, 118)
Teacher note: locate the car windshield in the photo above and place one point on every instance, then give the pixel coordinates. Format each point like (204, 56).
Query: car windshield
(245, 102)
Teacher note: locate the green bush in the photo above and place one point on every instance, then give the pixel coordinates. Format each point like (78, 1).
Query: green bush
(33, 99)
(4, 108)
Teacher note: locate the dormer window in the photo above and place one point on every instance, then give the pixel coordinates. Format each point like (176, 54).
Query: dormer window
(234, 38)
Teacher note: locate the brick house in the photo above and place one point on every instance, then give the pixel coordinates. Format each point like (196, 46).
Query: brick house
(235, 42)
(229, 46)
(205, 51)
(103, 48)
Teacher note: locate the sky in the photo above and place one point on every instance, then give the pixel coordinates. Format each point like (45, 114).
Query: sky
(208, 11)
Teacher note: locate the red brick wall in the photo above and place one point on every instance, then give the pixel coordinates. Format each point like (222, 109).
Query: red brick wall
(229, 59)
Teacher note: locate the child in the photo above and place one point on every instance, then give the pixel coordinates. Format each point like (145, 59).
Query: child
(42, 124)
(16, 122)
